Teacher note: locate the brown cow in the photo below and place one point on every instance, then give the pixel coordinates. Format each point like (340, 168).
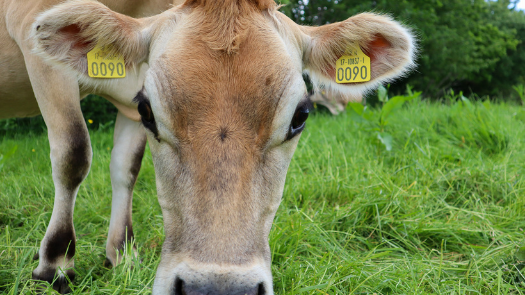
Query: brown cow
(219, 89)
(334, 101)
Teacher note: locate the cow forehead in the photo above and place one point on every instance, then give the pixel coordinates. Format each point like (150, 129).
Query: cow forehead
(196, 81)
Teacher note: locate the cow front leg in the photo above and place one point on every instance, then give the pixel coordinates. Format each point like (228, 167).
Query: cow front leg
(70, 160)
(59, 101)
(129, 142)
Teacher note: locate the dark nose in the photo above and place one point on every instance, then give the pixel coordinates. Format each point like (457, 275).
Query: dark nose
(182, 289)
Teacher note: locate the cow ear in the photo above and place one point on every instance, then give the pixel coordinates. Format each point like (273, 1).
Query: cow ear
(389, 45)
(68, 31)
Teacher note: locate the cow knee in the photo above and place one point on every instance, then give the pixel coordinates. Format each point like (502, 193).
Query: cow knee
(72, 157)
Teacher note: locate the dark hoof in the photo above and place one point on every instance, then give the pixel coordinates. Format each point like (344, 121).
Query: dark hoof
(107, 263)
(60, 283)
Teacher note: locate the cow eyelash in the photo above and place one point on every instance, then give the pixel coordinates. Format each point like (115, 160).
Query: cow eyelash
(299, 119)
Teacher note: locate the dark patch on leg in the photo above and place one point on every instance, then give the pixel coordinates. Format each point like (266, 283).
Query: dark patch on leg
(59, 243)
(119, 244)
(47, 275)
(77, 158)
(136, 162)
(127, 234)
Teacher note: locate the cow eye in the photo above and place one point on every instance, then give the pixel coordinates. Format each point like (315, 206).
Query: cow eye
(299, 119)
(145, 112)
(148, 120)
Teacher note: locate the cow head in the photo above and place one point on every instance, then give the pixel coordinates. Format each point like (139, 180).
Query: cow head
(221, 94)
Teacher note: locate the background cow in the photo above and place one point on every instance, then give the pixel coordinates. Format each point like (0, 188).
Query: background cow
(334, 101)
(219, 89)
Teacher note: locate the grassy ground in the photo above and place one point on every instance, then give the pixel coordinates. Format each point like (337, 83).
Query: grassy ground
(442, 213)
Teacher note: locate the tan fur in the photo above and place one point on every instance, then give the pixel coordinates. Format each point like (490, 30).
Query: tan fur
(16, 21)
(236, 98)
(322, 46)
(330, 42)
(78, 25)
(223, 80)
(228, 29)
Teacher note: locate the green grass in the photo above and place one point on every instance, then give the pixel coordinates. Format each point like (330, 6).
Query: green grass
(442, 213)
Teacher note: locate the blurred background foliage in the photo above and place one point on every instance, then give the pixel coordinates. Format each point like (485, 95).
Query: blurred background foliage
(474, 46)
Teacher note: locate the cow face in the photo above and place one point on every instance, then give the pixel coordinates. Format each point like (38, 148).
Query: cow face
(224, 103)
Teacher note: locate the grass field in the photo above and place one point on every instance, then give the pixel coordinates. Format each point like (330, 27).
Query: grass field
(443, 212)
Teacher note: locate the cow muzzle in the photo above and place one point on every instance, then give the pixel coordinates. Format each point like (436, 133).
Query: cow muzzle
(182, 289)
(205, 279)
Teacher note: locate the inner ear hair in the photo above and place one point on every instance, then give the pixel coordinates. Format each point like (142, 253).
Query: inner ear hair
(390, 46)
(67, 31)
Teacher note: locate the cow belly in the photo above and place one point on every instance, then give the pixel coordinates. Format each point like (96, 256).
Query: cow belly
(16, 94)
(18, 107)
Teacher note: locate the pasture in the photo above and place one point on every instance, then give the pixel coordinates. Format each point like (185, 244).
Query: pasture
(443, 212)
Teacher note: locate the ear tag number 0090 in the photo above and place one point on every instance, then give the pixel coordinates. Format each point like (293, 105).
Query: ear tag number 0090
(352, 67)
(102, 64)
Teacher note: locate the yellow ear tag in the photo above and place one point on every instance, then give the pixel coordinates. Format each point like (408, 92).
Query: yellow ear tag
(353, 67)
(102, 64)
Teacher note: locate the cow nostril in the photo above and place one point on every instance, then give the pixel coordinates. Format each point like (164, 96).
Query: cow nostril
(261, 290)
(179, 284)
